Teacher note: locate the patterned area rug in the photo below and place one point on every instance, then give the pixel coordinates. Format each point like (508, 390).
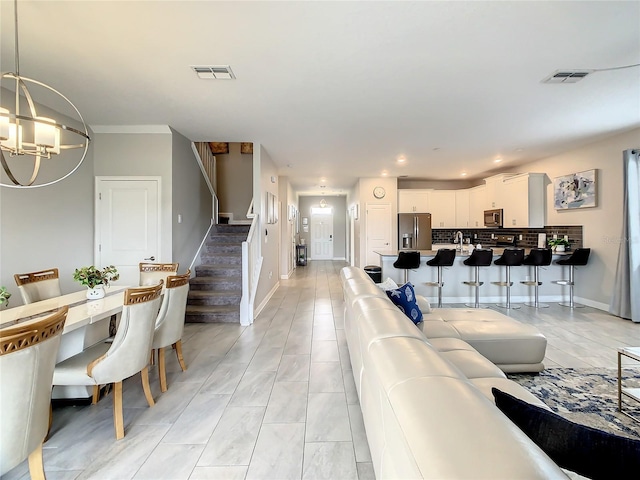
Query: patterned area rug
(587, 396)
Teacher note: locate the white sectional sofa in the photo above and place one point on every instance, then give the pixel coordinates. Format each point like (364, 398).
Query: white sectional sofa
(426, 402)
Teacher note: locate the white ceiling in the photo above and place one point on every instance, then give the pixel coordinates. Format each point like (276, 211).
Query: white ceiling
(341, 89)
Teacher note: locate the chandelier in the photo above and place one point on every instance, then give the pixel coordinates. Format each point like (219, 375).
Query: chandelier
(26, 135)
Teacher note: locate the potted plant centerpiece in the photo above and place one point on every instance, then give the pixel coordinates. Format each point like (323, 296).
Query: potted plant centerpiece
(4, 296)
(559, 244)
(95, 279)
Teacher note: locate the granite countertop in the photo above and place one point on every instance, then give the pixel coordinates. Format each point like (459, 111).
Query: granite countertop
(497, 251)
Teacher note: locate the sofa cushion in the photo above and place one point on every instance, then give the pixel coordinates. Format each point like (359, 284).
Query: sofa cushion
(579, 448)
(424, 305)
(404, 298)
(472, 364)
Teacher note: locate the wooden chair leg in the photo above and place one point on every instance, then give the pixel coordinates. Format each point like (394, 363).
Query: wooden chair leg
(152, 360)
(118, 420)
(36, 465)
(162, 370)
(96, 394)
(144, 373)
(178, 347)
(50, 422)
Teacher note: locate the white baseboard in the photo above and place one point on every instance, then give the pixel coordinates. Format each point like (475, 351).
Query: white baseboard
(259, 308)
(340, 258)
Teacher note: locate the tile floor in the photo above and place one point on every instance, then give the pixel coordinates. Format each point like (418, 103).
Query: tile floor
(272, 401)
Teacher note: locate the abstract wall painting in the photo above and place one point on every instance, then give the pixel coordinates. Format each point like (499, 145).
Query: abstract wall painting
(577, 190)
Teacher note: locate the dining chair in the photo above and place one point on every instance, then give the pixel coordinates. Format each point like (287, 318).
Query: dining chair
(36, 286)
(28, 354)
(170, 323)
(128, 354)
(152, 273)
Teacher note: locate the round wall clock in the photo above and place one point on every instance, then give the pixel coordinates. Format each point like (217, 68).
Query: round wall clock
(379, 192)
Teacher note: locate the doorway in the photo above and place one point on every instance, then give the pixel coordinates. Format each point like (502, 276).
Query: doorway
(127, 224)
(321, 233)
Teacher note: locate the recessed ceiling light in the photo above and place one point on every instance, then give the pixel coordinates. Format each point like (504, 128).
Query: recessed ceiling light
(463, 174)
(497, 160)
(401, 159)
(384, 173)
(323, 179)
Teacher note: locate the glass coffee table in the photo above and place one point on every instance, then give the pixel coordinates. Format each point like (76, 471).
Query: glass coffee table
(631, 393)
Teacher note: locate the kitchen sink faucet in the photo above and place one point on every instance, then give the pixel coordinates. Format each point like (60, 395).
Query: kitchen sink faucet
(459, 238)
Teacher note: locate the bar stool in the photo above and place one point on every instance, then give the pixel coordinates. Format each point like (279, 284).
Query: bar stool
(578, 258)
(511, 257)
(407, 261)
(480, 257)
(538, 257)
(444, 258)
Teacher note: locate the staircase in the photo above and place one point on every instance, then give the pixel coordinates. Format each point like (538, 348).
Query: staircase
(216, 290)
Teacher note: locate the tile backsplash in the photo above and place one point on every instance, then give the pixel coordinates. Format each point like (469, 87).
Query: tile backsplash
(529, 235)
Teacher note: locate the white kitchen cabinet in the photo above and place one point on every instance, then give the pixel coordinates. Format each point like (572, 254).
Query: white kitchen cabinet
(442, 206)
(413, 201)
(495, 196)
(462, 208)
(524, 201)
(477, 203)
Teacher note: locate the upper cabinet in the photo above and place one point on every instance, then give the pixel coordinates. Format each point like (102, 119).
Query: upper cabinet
(463, 217)
(521, 196)
(524, 200)
(442, 206)
(477, 204)
(413, 201)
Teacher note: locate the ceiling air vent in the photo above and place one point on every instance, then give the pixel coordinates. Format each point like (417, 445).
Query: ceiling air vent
(567, 76)
(214, 72)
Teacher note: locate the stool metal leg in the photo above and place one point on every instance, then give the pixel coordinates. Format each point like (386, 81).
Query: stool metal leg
(507, 284)
(570, 282)
(440, 285)
(476, 283)
(535, 284)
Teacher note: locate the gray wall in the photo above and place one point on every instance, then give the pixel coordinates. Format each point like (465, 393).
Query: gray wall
(141, 154)
(269, 235)
(50, 226)
(191, 200)
(339, 205)
(235, 186)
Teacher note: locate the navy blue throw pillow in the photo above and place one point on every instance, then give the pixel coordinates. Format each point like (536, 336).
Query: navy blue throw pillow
(585, 450)
(404, 298)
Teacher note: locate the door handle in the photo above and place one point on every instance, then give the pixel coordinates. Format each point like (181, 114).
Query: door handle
(152, 258)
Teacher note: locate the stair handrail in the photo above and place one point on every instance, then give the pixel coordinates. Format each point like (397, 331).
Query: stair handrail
(204, 239)
(251, 266)
(207, 163)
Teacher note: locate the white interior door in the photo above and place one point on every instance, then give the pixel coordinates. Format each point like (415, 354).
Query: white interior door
(321, 236)
(379, 226)
(127, 224)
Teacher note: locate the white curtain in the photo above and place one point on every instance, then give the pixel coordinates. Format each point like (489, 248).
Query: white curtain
(625, 301)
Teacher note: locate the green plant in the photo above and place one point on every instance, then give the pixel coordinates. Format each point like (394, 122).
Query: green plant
(554, 242)
(4, 296)
(91, 276)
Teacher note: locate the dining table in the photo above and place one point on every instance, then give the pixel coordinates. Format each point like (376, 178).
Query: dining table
(87, 324)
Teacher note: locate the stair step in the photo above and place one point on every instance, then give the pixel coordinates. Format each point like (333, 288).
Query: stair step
(218, 270)
(223, 248)
(216, 283)
(227, 237)
(221, 259)
(212, 314)
(237, 229)
(206, 297)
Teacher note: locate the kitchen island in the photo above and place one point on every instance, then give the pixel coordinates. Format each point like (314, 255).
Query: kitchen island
(454, 291)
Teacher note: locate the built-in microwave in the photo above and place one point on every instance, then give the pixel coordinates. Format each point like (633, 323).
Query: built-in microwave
(493, 218)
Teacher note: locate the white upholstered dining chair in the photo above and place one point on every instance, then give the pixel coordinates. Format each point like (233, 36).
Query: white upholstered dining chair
(152, 273)
(170, 323)
(28, 353)
(36, 286)
(128, 354)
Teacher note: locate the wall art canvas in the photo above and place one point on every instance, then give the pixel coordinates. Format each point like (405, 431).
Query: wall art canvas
(577, 190)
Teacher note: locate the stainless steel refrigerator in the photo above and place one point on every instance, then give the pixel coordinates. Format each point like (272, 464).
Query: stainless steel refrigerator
(414, 231)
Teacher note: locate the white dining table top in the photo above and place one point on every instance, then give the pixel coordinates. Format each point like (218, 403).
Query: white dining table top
(81, 311)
